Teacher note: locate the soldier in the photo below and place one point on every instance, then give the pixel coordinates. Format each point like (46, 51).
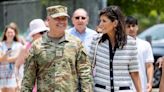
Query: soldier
(57, 59)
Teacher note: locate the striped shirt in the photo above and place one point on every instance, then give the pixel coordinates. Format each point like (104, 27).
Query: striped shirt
(124, 62)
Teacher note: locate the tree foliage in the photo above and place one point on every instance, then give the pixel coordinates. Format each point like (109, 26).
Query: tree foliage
(139, 6)
(148, 12)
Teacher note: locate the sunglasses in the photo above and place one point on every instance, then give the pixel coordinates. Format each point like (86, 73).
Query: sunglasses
(78, 17)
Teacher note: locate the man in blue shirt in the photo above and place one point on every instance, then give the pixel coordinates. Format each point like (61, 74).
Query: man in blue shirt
(80, 21)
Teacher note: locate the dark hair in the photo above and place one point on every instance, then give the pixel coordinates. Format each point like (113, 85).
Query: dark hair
(4, 38)
(114, 13)
(131, 20)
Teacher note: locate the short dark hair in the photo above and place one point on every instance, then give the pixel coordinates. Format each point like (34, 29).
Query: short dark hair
(131, 20)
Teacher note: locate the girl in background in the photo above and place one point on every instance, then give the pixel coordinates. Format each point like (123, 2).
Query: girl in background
(9, 50)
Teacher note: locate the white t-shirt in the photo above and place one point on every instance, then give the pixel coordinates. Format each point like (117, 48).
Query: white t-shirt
(145, 55)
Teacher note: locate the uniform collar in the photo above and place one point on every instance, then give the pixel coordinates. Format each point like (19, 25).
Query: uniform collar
(60, 40)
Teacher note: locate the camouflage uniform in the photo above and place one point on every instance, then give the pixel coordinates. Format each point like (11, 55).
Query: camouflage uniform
(57, 66)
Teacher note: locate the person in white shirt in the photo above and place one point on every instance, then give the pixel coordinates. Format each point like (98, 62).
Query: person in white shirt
(145, 55)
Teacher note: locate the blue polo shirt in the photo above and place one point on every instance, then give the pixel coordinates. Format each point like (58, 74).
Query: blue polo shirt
(85, 37)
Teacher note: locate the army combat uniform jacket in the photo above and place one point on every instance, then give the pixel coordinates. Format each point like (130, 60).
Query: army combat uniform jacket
(57, 66)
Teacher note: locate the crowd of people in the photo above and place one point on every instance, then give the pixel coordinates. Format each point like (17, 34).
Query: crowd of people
(108, 59)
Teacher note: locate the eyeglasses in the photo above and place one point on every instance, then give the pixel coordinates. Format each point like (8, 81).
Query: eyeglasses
(78, 17)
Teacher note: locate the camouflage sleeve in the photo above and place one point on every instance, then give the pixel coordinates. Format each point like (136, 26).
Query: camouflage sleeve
(84, 71)
(29, 73)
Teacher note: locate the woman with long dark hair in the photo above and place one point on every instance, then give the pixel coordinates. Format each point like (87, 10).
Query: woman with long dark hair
(114, 54)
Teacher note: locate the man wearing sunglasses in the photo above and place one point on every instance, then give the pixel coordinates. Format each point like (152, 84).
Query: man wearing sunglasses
(80, 21)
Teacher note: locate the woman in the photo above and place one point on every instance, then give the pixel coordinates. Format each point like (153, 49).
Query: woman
(15, 26)
(114, 55)
(37, 29)
(9, 50)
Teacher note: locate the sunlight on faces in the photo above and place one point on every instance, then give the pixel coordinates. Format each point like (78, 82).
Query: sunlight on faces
(10, 33)
(59, 23)
(80, 19)
(106, 25)
(131, 29)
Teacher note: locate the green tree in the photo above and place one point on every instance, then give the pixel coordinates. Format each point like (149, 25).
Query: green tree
(138, 6)
(148, 12)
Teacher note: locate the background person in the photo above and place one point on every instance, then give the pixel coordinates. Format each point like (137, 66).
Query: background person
(9, 50)
(80, 21)
(37, 29)
(57, 59)
(145, 55)
(15, 26)
(114, 55)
